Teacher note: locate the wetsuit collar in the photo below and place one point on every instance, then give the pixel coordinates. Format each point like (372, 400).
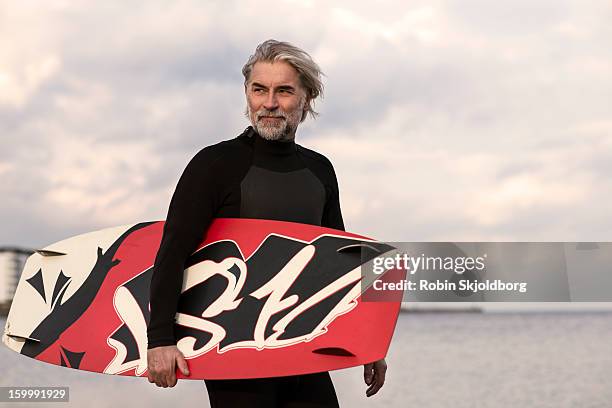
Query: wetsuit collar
(272, 147)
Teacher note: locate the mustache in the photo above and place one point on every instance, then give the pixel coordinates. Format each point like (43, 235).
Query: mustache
(267, 113)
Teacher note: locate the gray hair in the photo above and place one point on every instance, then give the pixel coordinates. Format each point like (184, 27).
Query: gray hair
(308, 70)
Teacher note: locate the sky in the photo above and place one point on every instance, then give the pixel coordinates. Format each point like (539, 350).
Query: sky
(448, 120)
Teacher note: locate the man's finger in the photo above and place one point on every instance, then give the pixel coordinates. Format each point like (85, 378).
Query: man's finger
(153, 377)
(182, 364)
(170, 378)
(370, 391)
(171, 381)
(380, 370)
(160, 379)
(373, 389)
(367, 373)
(380, 374)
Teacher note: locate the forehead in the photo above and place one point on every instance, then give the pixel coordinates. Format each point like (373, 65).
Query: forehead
(275, 73)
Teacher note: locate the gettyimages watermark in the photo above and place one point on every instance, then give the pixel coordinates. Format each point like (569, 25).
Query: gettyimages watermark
(489, 272)
(458, 265)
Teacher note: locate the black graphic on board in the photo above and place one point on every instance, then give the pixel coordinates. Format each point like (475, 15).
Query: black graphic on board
(235, 321)
(37, 283)
(139, 288)
(325, 267)
(124, 336)
(60, 288)
(64, 315)
(237, 318)
(74, 358)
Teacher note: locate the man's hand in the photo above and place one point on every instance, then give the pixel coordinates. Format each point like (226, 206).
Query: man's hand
(161, 364)
(374, 376)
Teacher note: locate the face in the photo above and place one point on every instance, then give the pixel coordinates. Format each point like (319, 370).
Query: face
(276, 100)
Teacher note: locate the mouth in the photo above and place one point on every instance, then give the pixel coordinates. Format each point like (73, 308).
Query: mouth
(271, 118)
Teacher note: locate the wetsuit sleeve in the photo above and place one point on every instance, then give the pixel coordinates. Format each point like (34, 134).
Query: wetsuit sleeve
(191, 210)
(332, 215)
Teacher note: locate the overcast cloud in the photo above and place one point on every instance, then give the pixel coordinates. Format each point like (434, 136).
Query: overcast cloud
(445, 120)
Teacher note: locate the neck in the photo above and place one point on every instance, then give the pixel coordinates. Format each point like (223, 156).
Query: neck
(288, 138)
(284, 138)
(273, 147)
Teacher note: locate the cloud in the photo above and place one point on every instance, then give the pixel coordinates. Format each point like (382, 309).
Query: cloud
(445, 120)
(406, 192)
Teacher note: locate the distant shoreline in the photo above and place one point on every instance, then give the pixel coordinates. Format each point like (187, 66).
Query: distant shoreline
(472, 309)
(5, 307)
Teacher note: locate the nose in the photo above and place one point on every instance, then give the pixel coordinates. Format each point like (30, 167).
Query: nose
(271, 101)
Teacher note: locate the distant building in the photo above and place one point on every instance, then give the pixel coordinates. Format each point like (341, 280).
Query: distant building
(12, 260)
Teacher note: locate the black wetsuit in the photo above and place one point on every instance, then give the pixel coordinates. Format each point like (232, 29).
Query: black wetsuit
(244, 177)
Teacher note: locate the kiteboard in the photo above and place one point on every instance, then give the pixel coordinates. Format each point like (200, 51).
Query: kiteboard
(260, 298)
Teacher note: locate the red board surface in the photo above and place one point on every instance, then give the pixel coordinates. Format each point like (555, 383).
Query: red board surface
(260, 299)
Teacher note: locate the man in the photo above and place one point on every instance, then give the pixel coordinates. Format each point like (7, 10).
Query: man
(263, 174)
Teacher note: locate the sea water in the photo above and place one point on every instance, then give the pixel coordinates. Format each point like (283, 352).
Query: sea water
(497, 360)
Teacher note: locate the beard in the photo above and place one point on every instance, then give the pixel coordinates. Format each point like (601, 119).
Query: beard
(276, 129)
